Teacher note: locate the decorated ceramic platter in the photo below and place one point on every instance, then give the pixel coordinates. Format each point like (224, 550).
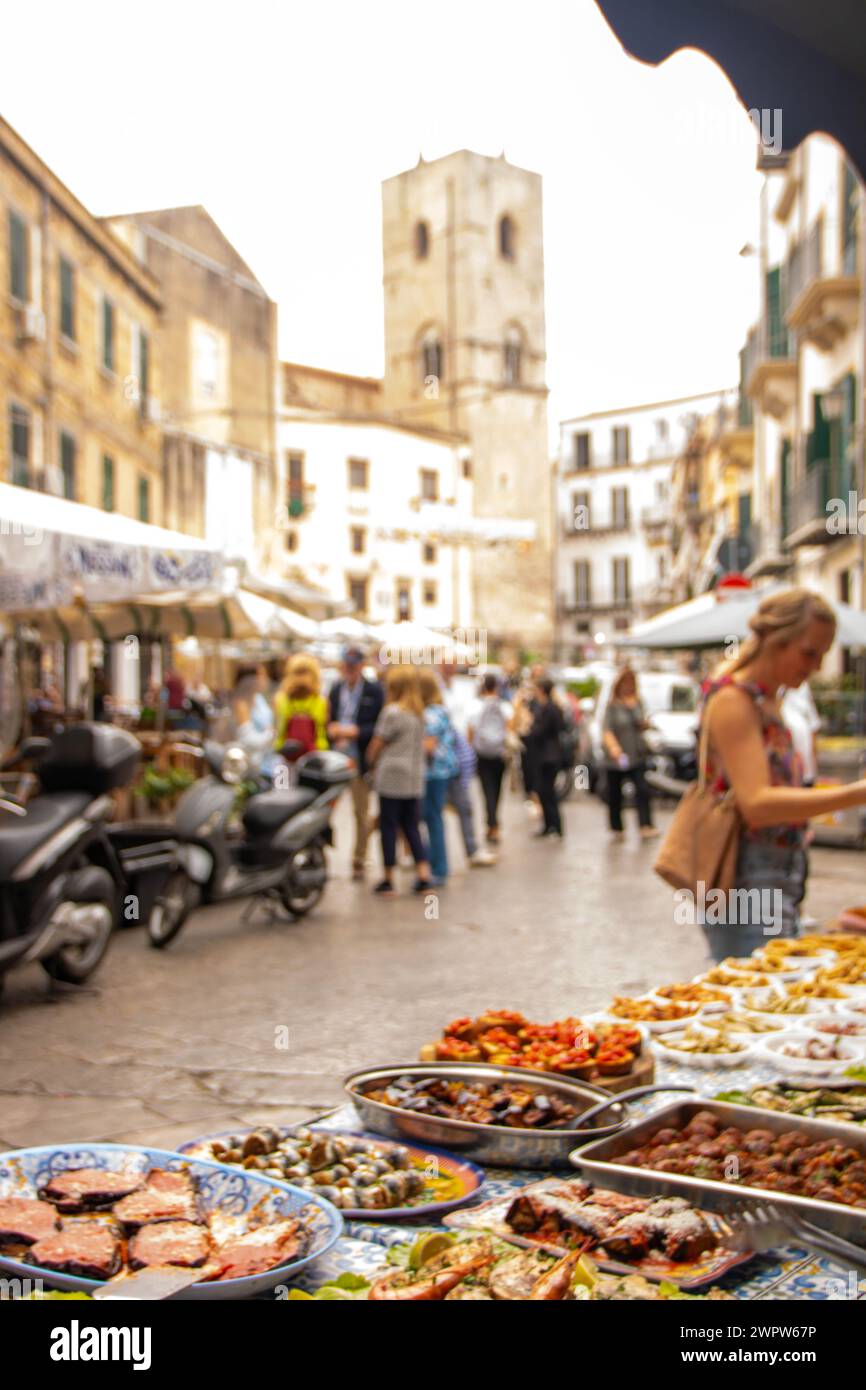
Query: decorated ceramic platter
(367, 1177)
(76, 1215)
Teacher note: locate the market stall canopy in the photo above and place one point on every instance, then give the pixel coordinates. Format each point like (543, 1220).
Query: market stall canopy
(55, 551)
(346, 629)
(800, 57)
(712, 621)
(437, 521)
(215, 615)
(413, 644)
(313, 603)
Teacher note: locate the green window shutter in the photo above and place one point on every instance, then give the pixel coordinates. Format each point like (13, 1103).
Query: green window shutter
(67, 299)
(784, 483)
(143, 365)
(850, 198)
(744, 410)
(818, 440)
(107, 335)
(19, 440)
(19, 260)
(107, 483)
(744, 514)
(777, 333)
(67, 464)
(143, 499)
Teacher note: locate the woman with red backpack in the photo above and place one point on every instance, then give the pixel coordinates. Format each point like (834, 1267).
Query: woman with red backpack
(300, 707)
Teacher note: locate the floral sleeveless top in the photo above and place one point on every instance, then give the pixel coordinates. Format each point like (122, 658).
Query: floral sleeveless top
(785, 765)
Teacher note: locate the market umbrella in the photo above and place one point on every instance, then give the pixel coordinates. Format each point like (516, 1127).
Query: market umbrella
(347, 629)
(415, 644)
(798, 56)
(712, 621)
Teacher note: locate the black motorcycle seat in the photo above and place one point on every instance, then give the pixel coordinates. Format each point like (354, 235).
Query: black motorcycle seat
(267, 812)
(46, 814)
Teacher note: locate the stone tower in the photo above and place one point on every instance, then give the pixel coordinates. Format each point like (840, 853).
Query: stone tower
(465, 352)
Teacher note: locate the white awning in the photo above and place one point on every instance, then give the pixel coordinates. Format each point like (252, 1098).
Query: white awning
(54, 551)
(439, 521)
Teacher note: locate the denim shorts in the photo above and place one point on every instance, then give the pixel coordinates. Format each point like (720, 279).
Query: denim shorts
(770, 886)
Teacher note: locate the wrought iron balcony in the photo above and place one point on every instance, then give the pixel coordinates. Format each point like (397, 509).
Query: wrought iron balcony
(808, 506)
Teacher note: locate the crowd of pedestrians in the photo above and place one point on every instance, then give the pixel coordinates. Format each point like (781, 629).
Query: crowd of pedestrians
(419, 737)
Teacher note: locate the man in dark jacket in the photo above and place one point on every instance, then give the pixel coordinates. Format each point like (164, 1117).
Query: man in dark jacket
(355, 705)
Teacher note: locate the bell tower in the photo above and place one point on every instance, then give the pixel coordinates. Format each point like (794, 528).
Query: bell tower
(465, 353)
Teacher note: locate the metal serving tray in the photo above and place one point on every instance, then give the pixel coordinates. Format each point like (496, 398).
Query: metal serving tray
(596, 1162)
(495, 1144)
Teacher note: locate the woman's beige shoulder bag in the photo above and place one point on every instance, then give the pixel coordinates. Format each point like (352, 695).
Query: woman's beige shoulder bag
(702, 840)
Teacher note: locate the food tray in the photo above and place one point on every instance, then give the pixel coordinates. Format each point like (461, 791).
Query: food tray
(707, 1268)
(595, 1162)
(495, 1144)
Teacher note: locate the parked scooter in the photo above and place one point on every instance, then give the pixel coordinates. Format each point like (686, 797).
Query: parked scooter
(60, 877)
(277, 852)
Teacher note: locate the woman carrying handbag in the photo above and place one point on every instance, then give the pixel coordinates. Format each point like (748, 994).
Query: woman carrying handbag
(742, 826)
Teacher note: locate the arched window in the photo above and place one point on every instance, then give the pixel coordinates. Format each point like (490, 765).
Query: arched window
(512, 354)
(506, 238)
(431, 355)
(422, 240)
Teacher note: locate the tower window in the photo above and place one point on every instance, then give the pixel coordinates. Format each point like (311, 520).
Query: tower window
(422, 241)
(511, 355)
(431, 356)
(359, 540)
(429, 485)
(358, 474)
(506, 238)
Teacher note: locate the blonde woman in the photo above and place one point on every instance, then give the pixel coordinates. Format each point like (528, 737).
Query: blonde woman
(396, 753)
(750, 751)
(300, 707)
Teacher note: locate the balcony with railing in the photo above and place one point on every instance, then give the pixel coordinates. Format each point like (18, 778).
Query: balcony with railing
(769, 367)
(823, 306)
(606, 600)
(591, 527)
(656, 595)
(810, 518)
(733, 430)
(767, 545)
(657, 522)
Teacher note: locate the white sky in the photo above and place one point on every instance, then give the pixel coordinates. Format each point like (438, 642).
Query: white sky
(282, 118)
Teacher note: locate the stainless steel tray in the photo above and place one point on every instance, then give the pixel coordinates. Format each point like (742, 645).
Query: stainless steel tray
(595, 1161)
(496, 1144)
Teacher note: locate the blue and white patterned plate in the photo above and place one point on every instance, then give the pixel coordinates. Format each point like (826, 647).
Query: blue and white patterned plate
(232, 1191)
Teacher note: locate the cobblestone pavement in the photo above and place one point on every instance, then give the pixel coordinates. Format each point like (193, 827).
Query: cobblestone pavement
(168, 1045)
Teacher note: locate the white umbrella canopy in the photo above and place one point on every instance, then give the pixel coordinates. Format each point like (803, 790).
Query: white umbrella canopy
(413, 644)
(347, 629)
(712, 621)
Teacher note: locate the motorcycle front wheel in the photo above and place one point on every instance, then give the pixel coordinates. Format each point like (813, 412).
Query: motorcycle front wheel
(299, 897)
(179, 897)
(76, 962)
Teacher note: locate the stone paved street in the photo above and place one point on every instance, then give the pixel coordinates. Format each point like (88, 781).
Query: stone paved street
(167, 1045)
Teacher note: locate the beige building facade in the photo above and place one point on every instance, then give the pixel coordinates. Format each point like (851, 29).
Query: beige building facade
(79, 348)
(803, 368)
(217, 408)
(465, 353)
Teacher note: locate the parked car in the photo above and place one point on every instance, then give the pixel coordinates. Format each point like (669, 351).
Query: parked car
(670, 701)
